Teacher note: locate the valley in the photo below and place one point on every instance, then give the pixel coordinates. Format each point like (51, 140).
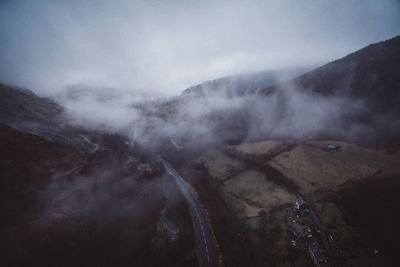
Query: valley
(246, 170)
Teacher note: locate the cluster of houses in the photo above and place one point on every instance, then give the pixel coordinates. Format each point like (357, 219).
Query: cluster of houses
(307, 235)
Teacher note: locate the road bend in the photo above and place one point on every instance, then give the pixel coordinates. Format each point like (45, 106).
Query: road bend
(206, 245)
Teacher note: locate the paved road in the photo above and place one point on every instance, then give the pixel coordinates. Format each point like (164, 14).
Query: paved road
(207, 252)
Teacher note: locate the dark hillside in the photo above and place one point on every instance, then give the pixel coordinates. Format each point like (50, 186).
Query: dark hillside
(243, 84)
(19, 105)
(371, 73)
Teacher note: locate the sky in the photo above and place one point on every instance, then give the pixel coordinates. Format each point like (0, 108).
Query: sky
(163, 47)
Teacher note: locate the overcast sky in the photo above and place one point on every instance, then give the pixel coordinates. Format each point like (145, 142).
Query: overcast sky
(166, 46)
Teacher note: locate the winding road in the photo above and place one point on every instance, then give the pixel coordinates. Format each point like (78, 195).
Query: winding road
(206, 245)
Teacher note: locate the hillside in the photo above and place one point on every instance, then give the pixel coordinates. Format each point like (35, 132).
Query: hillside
(352, 98)
(20, 106)
(370, 73)
(77, 195)
(242, 84)
(248, 149)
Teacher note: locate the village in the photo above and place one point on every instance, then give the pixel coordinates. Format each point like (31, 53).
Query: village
(309, 234)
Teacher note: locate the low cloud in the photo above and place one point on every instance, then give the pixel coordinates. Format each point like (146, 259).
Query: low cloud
(165, 47)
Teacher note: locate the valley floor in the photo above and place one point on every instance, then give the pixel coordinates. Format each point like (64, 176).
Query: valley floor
(259, 183)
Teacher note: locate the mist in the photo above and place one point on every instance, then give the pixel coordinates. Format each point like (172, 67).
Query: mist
(160, 48)
(116, 67)
(119, 87)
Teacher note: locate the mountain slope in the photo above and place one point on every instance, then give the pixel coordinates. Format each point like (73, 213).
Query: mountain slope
(18, 105)
(242, 84)
(371, 73)
(73, 196)
(352, 98)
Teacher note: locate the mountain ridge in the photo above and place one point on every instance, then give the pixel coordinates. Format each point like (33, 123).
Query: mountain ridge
(359, 74)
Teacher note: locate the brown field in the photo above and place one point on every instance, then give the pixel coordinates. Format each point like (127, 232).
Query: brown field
(313, 168)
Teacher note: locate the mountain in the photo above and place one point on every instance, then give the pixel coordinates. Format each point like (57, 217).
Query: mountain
(73, 196)
(242, 84)
(352, 98)
(21, 106)
(371, 74)
(330, 136)
(249, 145)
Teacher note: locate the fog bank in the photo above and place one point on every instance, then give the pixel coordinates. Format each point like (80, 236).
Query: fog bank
(162, 47)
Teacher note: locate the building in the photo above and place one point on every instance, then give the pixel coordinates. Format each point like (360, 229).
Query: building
(332, 148)
(301, 205)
